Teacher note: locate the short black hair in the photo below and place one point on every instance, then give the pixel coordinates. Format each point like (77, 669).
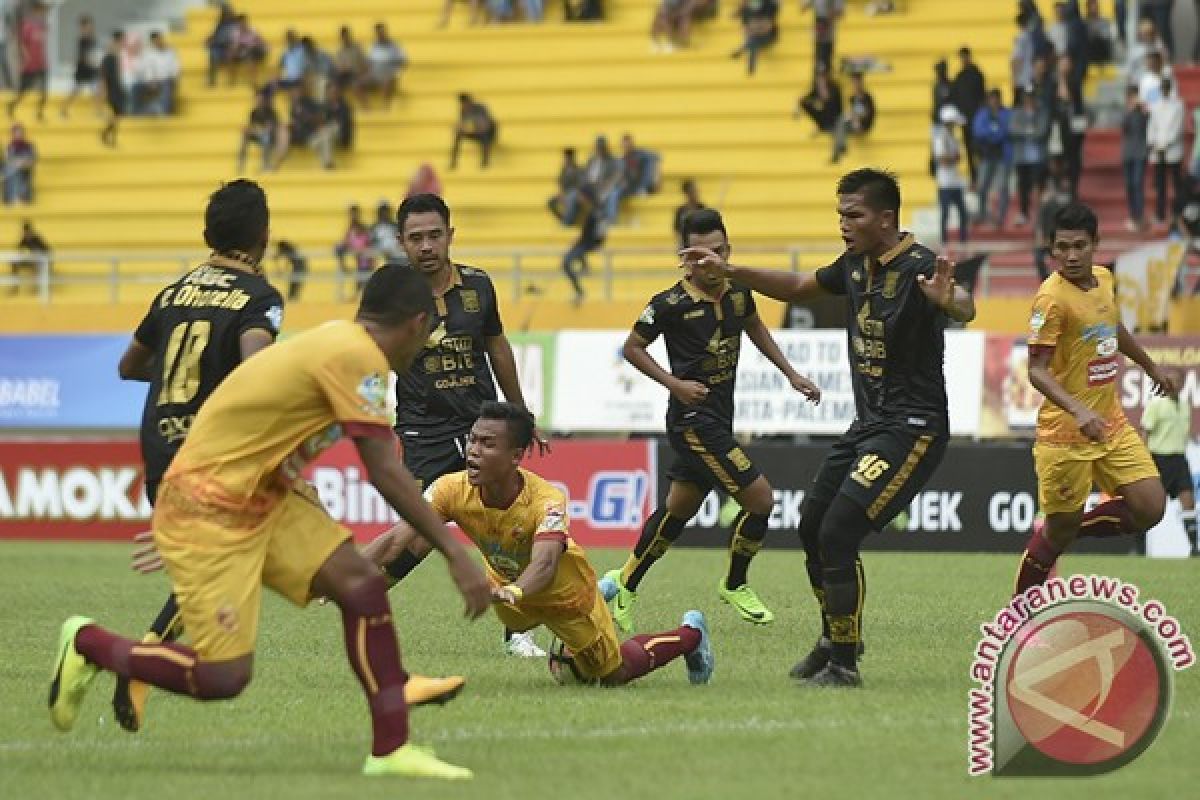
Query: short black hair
(703, 220)
(237, 217)
(395, 294)
(1075, 217)
(878, 186)
(518, 420)
(422, 204)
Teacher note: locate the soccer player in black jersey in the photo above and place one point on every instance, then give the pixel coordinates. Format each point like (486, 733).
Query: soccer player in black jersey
(438, 399)
(899, 296)
(702, 318)
(198, 329)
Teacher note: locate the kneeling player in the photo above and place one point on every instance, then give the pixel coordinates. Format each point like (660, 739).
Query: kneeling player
(539, 575)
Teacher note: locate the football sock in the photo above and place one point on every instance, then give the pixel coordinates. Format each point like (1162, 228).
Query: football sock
(375, 656)
(168, 625)
(647, 652)
(748, 533)
(1036, 562)
(816, 579)
(168, 666)
(1111, 518)
(658, 534)
(843, 609)
(1189, 527)
(403, 564)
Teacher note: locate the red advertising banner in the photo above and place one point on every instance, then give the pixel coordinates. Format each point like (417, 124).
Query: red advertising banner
(56, 489)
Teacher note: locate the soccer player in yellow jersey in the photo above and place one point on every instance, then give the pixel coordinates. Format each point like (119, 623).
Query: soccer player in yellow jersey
(1082, 434)
(539, 576)
(233, 515)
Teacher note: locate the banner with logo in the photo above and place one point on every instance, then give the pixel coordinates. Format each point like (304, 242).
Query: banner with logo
(1145, 277)
(94, 490)
(535, 356)
(66, 382)
(595, 389)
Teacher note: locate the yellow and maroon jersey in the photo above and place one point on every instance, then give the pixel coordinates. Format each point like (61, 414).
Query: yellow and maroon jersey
(1081, 326)
(274, 414)
(505, 537)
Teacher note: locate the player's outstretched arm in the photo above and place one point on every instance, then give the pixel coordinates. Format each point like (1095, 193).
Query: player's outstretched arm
(137, 363)
(788, 287)
(387, 546)
(688, 392)
(945, 293)
(543, 565)
(1090, 424)
(1129, 347)
(766, 344)
(399, 488)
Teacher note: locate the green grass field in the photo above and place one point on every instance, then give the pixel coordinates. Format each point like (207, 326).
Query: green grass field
(301, 729)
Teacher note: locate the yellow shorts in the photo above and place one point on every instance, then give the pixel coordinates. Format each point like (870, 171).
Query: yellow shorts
(1066, 473)
(219, 561)
(591, 636)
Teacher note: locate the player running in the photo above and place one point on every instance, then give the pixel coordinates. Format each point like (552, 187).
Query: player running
(233, 515)
(702, 318)
(1075, 336)
(438, 399)
(197, 330)
(899, 296)
(539, 576)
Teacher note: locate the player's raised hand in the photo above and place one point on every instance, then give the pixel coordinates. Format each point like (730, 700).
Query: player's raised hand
(1164, 383)
(703, 257)
(1090, 424)
(804, 386)
(471, 583)
(542, 442)
(689, 393)
(940, 288)
(145, 558)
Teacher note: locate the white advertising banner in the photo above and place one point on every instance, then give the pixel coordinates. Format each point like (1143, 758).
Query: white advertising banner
(1145, 277)
(596, 390)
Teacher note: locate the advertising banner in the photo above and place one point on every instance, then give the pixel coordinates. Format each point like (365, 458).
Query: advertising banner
(66, 382)
(535, 355)
(1145, 277)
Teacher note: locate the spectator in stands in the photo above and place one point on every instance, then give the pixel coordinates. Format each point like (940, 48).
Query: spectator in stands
(1070, 117)
(858, 118)
(602, 179)
(1045, 83)
(943, 89)
(350, 62)
(951, 184)
(1029, 128)
(297, 267)
(825, 17)
(823, 103)
(1024, 47)
(113, 87)
(591, 237)
(262, 129)
(1101, 37)
(33, 37)
(385, 59)
(355, 243)
(32, 244)
(385, 235)
(583, 10)
(19, 159)
(5, 31)
(672, 25)
(639, 169)
(220, 41)
(1069, 34)
(1161, 11)
(1150, 85)
(565, 204)
(158, 78)
(1146, 42)
(424, 181)
(1054, 199)
(341, 114)
(1194, 161)
(533, 10)
(475, 122)
(994, 147)
(87, 62)
(293, 64)
(246, 46)
(760, 29)
(321, 69)
(968, 92)
(1134, 148)
(1164, 137)
(691, 202)
(309, 126)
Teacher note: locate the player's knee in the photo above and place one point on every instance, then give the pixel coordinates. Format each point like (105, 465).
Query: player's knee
(222, 681)
(843, 527)
(758, 498)
(1148, 509)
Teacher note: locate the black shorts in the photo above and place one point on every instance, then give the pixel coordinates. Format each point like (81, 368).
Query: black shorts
(430, 460)
(880, 469)
(32, 79)
(707, 455)
(1176, 474)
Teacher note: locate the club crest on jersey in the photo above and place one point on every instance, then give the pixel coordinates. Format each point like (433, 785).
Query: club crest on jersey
(553, 518)
(647, 316)
(889, 284)
(274, 315)
(470, 301)
(1037, 320)
(373, 391)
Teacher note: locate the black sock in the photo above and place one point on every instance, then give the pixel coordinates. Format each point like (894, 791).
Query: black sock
(816, 579)
(658, 534)
(749, 530)
(1189, 527)
(405, 563)
(168, 625)
(843, 609)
